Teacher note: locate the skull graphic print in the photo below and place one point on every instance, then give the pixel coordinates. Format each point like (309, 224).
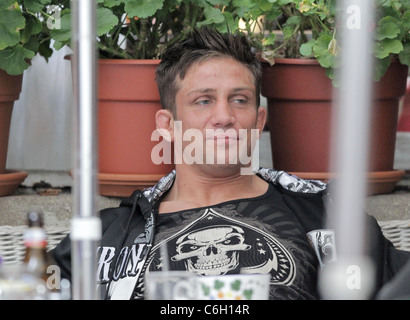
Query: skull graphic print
(216, 244)
(211, 251)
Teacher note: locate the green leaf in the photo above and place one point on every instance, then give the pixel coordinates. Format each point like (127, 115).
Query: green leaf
(387, 30)
(110, 3)
(63, 34)
(5, 4)
(213, 15)
(406, 4)
(13, 60)
(242, 3)
(242, 7)
(11, 22)
(406, 21)
(142, 8)
(333, 47)
(380, 68)
(387, 46)
(229, 24)
(217, 2)
(33, 27)
(404, 56)
(293, 21)
(31, 44)
(330, 73)
(322, 53)
(45, 49)
(269, 39)
(283, 2)
(106, 20)
(287, 32)
(306, 49)
(35, 5)
(265, 5)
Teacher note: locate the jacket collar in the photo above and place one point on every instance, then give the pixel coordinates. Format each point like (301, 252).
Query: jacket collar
(281, 178)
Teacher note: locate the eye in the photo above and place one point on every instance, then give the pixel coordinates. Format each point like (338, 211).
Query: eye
(240, 100)
(203, 102)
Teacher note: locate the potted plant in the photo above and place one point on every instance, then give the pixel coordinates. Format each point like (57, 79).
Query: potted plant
(299, 48)
(131, 36)
(24, 32)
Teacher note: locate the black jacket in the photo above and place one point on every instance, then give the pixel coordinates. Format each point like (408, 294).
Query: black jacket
(128, 233)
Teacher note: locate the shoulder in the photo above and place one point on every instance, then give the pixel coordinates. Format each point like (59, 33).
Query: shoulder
(291, 183)
(309, 207)
(305, 197)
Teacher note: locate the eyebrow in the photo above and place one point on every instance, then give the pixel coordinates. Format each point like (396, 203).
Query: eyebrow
(206, 90)
(210, 90)
(244, 88)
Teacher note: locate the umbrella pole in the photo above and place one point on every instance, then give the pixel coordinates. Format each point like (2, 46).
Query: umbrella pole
(85, 224)
(351, 277)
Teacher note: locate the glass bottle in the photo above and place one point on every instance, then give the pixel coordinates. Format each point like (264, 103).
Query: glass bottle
(35, 242)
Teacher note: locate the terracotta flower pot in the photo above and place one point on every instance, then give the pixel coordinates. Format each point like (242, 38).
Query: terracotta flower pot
(299, 108)
(10, 88)
(404, 117)
(128, 99)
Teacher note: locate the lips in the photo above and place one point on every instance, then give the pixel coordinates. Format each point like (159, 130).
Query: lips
(225, 138)
(225, 141)
(226, 135)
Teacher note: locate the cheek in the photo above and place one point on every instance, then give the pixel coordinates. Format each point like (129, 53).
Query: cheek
(197, 119)
(247, 120)
(193, 121)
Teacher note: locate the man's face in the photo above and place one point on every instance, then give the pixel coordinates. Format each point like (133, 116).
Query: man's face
(218, 98)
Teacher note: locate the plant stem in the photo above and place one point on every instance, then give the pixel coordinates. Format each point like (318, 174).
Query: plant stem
(194, 17)
(114, 53)
(117, 32)
(141, 49)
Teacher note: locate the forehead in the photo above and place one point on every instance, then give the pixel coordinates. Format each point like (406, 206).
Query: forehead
(214, 68)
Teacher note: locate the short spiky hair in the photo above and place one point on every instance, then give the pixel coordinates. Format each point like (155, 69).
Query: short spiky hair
(202, 44)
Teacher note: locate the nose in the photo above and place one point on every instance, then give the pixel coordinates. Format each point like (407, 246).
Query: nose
(222, 115)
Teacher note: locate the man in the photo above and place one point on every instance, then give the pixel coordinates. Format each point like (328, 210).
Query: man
(211, 215)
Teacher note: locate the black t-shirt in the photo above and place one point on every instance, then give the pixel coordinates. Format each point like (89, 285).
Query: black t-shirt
(254, 235)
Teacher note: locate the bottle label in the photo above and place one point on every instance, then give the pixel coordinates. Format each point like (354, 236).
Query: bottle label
(35, 238)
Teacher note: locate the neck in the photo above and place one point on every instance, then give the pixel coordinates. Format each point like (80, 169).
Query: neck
(199, 188)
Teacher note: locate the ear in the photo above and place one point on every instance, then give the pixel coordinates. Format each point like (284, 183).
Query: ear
(164, 120)
(261, 119)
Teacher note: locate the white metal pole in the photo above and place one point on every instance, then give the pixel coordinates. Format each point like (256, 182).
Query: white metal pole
(85, 225)
(351, 276)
